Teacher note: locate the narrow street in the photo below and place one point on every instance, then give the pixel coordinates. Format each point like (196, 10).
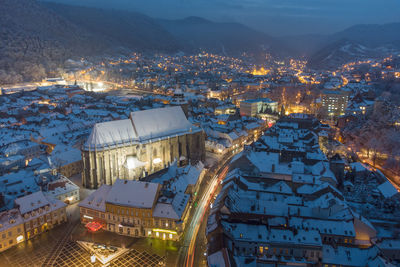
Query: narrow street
(392, 177)
(191, 242)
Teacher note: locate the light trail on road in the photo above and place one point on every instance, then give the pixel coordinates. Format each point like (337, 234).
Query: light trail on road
(198, 217)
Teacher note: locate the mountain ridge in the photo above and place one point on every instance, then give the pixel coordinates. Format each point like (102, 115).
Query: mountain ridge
(132, 30)
(37, 37)
(367, 40)
(221, 37)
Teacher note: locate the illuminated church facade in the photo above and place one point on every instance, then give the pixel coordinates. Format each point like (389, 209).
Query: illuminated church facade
(149, 141)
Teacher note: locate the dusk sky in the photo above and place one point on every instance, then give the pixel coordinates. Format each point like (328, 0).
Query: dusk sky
(276, 17)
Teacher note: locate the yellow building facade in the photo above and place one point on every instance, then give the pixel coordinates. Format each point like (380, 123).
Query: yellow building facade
(11, 229)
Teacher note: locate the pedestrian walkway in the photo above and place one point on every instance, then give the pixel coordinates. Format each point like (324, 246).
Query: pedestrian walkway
(72, 255)
(32, 252)
(51, 258)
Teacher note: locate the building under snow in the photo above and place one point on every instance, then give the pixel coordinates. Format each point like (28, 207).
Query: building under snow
(145, 143)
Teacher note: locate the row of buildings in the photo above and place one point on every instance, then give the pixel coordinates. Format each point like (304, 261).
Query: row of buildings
(157, 207)
(280, 206)
(33, 214)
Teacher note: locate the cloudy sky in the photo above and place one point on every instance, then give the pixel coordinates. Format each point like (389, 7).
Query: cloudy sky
(276, 17)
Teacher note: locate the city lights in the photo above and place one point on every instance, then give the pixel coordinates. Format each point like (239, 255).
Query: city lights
(190, 142)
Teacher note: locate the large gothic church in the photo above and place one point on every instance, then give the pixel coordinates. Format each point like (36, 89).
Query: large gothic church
(149, 141)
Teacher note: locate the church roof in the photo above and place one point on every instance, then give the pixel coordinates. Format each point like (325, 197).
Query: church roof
(110, 133)
(142, 126)
(160, 122)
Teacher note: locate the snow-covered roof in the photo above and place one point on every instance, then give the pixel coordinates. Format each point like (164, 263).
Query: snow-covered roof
(31, 202)
(219, 259)
(252, 126)
(110, 133)
(165, 210)
(314, 188)
(18, 147)
(264, 162)
(10, 218)
(133, 194)
(280, 187)
(358, 166)
(17, 184)
(329, 227)
(142, 126)
(387, 189)
(389, 244)
(160, 122)
(64, 155)
(348, 256)
(260, 233)
(61, 186)
(179, 178)
(96, 200)
(171, 209)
